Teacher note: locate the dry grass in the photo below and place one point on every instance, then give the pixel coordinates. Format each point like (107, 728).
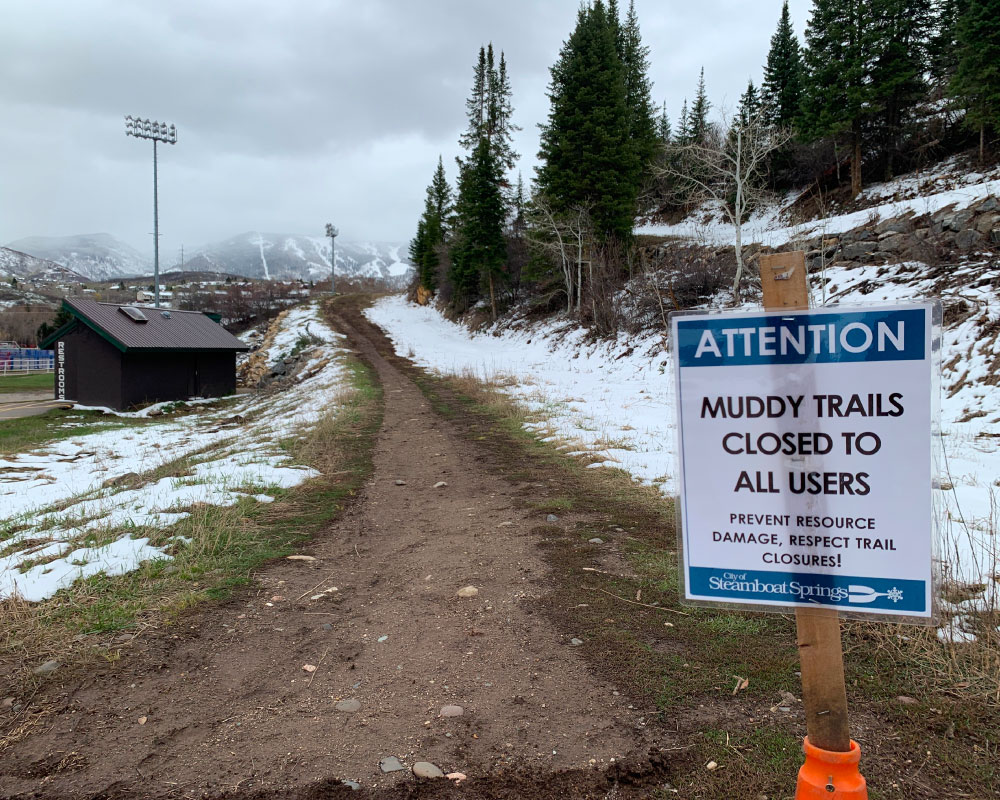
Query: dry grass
(971, 669)
(221, 549)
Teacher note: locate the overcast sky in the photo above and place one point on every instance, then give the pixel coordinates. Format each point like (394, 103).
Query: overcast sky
(292, 113)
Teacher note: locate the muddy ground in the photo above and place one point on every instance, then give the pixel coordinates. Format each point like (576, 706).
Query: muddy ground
(226, 708)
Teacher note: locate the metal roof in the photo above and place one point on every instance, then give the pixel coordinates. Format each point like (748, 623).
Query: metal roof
(173, 330)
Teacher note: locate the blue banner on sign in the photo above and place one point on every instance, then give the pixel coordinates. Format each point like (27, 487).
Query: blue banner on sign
(844, 337)
(793, 588)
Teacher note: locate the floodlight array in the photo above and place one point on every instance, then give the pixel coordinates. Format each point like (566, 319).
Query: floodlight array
(331, 231)
(150, 129)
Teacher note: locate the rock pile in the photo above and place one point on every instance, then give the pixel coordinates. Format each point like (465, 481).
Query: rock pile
(253, 370)
(909, 237)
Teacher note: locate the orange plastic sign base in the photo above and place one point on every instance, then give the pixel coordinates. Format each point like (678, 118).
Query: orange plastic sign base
(828, 775)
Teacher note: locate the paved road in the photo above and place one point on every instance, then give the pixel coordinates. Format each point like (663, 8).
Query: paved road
(13, 409)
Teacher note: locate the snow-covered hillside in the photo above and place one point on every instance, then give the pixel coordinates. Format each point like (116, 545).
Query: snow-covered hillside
(15, 264)
(281, 255)
(97, 256)
(771, 224)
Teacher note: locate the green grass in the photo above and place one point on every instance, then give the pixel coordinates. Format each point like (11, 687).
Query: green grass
(228, 544)
(29, 433)
(27, 383)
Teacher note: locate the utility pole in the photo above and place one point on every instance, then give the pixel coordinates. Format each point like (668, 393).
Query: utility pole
(333, 233)
(157, 132)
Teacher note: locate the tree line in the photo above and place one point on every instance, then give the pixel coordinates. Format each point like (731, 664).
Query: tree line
(877, 87)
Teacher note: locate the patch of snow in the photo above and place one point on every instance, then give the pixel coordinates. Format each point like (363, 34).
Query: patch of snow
(52, 496)
(614, 402)
(767, 225)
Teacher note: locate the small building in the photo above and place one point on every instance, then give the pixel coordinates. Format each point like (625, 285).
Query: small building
(122, 356)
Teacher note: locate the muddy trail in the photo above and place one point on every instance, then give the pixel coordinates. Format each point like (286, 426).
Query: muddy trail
(222, 705)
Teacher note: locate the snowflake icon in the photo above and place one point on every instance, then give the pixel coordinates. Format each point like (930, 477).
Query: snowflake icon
(894, 594)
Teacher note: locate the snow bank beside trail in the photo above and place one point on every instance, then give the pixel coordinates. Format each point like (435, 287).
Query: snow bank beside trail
(52, 498)
(766, 226)
(611, 400)
(617, 401)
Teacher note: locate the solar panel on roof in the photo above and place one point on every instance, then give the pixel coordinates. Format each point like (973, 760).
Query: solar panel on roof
(133, 314)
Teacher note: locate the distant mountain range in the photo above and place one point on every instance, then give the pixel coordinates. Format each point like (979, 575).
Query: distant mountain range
(15, 264)
(97, 256)
(283, 255)
(102, 257)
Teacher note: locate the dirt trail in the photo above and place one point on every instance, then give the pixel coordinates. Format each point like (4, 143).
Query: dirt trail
(229, 709)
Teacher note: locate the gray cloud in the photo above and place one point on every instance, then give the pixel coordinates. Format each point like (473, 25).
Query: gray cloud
(297, 112)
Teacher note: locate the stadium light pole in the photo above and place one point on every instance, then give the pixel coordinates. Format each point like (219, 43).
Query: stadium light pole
(333, 233)
(158, 132)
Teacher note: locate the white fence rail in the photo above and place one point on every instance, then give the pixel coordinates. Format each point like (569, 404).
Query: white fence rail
(26, 366)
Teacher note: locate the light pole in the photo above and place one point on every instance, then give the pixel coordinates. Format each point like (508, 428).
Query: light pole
(158, 132)
(333, 233)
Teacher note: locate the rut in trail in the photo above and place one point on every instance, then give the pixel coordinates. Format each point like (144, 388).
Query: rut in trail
(229, 709)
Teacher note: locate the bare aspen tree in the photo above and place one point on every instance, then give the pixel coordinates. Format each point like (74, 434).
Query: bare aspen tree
(726, 168)
(566, 236)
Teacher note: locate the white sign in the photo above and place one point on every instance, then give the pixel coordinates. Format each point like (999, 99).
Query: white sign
(806, 462)
(61, 370)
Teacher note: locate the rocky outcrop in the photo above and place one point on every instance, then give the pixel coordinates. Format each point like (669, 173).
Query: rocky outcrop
(909, 237)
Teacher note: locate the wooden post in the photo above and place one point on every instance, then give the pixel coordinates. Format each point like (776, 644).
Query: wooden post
(824, 694)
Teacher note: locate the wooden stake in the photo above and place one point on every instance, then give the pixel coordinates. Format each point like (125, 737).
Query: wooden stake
(824, 693)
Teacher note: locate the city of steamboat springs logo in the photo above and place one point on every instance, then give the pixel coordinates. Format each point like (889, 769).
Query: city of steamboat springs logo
(865, 594)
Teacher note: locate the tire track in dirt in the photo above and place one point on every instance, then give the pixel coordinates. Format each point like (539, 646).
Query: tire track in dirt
(229, 710)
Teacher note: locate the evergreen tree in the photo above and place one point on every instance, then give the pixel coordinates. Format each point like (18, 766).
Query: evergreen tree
(750, 105)
(500, 128)
(638, 88)
(783, 74)
(480, 248)
(489, 109)
(587, 160)
(432, 229)
(663, 126)
(943, 47)
(901, 31)
(697, 128)
(976, 84)
(838, 92)
(684, 125)
(475, 106)
(439, 196)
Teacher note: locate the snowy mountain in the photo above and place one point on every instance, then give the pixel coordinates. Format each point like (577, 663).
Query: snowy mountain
(98, 256)
(14, 263)
(282, 255)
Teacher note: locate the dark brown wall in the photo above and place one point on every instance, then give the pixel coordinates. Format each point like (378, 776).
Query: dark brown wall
(92, 368)
(155, 377)
(216, 374)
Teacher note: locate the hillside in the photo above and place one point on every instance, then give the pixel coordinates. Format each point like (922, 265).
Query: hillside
(15, 264)
(97, 256)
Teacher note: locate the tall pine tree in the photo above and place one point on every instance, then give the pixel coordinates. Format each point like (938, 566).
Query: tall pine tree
(663, 126)
(697, 127)
(480, 248)
(432, 229)
(587, 158)
(902, 30)
(781, 90)
(976, 84)
(838, 91)
(638, 89)
(750, 106)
